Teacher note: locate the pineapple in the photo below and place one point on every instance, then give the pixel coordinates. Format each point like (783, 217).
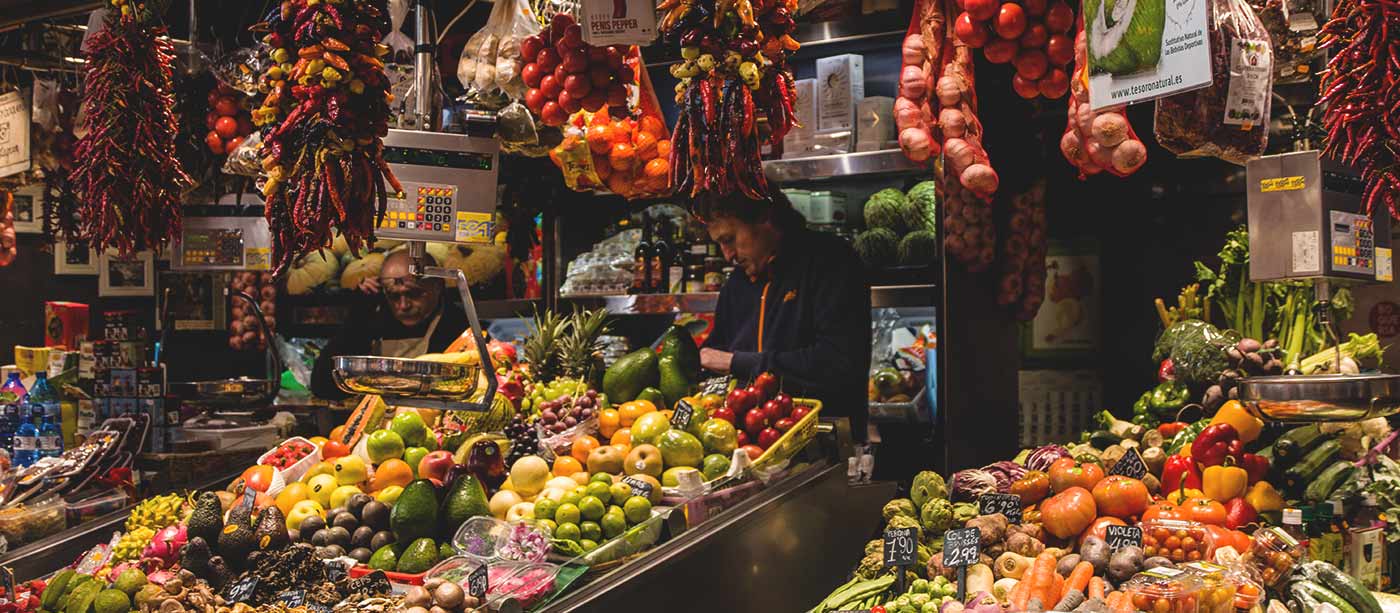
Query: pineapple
(539, 348)
(579, 347)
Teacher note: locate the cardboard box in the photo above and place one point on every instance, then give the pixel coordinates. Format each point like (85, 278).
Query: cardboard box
(875, 124)
(840, 86)
(798, 141)
(65, 324)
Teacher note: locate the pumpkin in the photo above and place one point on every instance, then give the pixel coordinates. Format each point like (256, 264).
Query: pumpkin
(1069, 472)
(311, 271)
(361, 269)
(1121, 496)
(1068, 513)
(1100, 528)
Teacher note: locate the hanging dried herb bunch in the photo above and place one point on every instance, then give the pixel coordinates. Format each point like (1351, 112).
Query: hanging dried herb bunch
(127, 178)
(324, 117)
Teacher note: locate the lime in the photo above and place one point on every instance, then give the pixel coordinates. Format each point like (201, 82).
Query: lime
(715, 465)
(591, 508)
(587, 545)
(567, 513)
(619, 492)
(600, 491)
(546, 525)
(601, 478)
(637, 509)
(571, 498)
(545, 508)
(614, 522)
(590, 530)
(567, 532)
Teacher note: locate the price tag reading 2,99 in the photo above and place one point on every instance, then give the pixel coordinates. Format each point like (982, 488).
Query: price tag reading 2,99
(1119, 537)
(961, 547)
(901, 547)
(1006, 504)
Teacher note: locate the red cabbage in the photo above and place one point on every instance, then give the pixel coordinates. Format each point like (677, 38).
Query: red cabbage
(968, 484)
(1005, 473)
(1042, 457)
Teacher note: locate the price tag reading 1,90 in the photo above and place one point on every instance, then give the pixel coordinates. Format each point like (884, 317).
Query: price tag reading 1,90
(961, 547)
(901, 547)
(1119, 537)
(1006, 504)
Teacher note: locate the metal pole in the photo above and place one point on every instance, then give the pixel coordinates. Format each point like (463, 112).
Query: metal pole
(423, 67)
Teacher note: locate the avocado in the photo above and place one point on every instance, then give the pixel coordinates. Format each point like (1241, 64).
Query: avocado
(465, 500)
(236, 542)
(446, 551)
(419, 557)
(111, 601)
(678, 343)
(271, 529)
(385, 559)
(55, 588)
(652, 395)
(207, 520)
(415, 514)
(674, 384)
(629, 375)
(239, 514)
(219, 573)
(195, 555)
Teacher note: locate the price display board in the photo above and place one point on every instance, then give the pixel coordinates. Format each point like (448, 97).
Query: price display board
(1006, 504)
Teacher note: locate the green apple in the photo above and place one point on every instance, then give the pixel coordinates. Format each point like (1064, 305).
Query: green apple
(302, 510)
(384, 445)
(343, 493)
(410, 426)
(719, 436)
(389, 495)
(414, 455)
(350, 470)
(680, 448)
(320, 488)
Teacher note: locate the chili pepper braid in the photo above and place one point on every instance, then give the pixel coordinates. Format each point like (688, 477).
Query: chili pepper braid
(1361, 91)
(323, 119)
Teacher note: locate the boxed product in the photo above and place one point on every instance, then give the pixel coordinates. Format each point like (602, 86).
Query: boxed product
(123, 326)
(798, 141)
(875, 124)
(31, 360)
(840, 86)
(65, 324)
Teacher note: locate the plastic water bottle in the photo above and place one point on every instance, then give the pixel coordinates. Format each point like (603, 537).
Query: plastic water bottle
(48, 413)
(26, 440)
(13, 391)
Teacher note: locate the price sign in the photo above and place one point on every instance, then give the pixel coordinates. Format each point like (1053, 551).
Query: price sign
(961, 546)
(242, 590)
(294, 597)
(477, 582)
(1006, 504)
(718, 386)
(1130, 465)
(336, 570)
(680, 419)
(1119, 537)
(901, 547)
(319, 607)
(639, 487)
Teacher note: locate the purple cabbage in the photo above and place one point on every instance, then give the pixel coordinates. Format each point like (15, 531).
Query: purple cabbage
(1006, 472)
(967, 485)
(1042, 457)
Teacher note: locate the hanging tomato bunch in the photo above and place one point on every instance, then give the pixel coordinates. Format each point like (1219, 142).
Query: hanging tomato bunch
(1031, 35)
(565, 75)
(228, 122)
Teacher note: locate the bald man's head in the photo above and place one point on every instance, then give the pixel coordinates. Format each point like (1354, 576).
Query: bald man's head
(411, 299)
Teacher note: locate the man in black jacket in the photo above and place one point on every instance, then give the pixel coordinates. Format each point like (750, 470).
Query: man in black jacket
(414, 320)
(797, 305)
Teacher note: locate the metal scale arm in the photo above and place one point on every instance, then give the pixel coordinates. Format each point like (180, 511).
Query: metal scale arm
(418, 249)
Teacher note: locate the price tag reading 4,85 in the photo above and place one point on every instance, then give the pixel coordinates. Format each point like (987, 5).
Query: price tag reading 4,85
(476, 582)
(1006, 504)
(960, 547)
(1119, 537)
(901, 547)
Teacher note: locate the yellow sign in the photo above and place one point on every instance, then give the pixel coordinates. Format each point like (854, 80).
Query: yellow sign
(257, 258)
(475, 227)
(1281, 184)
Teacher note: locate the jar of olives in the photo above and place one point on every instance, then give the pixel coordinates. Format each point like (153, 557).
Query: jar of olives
(1218, 586)
(1273, 555)
(1165, 590)
(1177, 540)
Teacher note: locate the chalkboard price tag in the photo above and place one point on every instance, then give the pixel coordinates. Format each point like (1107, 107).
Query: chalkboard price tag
(901, 547)
(477, 582)
(294, 597)
(1006, 504)
(718, 386)
(1130, 465)
(242, 591)
(639, 487)
(1119, 537)
(680, 419)
(336, 570)
(319, 607)
(961, 547)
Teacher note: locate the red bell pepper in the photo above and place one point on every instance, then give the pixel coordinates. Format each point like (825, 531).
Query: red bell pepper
(1169, 429)
(1256, 465)
(1239, 513)
(1178, 468)
(1215, 443)
(1166, 371)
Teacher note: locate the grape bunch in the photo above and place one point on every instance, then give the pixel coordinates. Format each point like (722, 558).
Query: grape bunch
(523, 439)
(566, 412)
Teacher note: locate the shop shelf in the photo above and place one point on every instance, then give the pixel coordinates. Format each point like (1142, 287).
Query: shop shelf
(843, 165)
(650, 304)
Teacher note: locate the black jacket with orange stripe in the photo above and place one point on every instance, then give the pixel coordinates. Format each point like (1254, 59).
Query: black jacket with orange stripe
(808, 322)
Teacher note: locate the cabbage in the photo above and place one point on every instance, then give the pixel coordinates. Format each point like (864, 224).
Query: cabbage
(1006, 472)
(1042, 457)
(969, 484)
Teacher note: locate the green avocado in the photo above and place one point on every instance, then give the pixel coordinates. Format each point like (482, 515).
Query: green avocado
(629, 375)
(236, 542)
(465, 500)
(674, 384)
(207, 520)
(415, 514)
(653, 396)
(679, 344)
(386, 559)
(419, 557)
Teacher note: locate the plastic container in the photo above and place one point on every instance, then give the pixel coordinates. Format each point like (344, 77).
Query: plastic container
(1273, 555)
(526, 584)
(27, 523)
(92, 507)
(481, 538)
(295, 472)
(1177, 540)
(1164, 590)
(1248, 591)
(1218, 586)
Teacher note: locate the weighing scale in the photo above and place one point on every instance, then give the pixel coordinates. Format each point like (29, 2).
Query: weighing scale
(1307, 223)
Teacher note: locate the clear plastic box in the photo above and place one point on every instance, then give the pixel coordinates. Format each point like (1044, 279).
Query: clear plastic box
(295, 472)
(481, 538)
(1177, 540)
(90, 508)
(1164, 590)
(1218, 586)
(527, 584)
(27, 523)
(1273, 554)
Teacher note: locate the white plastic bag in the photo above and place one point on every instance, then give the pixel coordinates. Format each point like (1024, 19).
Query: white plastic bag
(477, 68)
(398, 42)
(519, 25)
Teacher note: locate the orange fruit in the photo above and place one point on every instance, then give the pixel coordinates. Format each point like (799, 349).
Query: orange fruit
(618, 183)
(600, 118)
(608, 422)
(554, 157)
(630, 411)
(657, 167)
(618, 132)
(334, 449)
(565, 465)
(598, 139)
(622, 448)
(602, 167)
(653, 125)
(583, 445)
(337, 434)
(711, 401)
(391, 472)
(645, 145)
(622, 437)
(663, 148)
(622, 156)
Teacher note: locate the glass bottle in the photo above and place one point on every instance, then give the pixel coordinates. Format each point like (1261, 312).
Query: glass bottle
(641, 260)
(661, 252)
(1325, 535)
(1293, 525)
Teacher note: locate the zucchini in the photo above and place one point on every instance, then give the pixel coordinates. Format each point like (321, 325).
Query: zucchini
(1299, 475)
(1296, 443)
(1328, 481)
(1346, 586)
(1308, 590)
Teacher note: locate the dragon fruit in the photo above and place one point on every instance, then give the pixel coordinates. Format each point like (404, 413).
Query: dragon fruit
(166, 544)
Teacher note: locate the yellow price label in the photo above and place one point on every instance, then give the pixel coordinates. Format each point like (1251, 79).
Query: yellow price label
(1282, 184)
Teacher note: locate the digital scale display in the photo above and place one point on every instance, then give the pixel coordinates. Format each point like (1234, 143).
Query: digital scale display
(213, 247)
(441, 158)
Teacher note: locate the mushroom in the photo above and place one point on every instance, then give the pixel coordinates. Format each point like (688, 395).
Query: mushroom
(171, 605)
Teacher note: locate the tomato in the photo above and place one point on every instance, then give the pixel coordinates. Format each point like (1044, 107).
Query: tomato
(970, 32)
(1068, 472)
(1100, 528)
(1054, 85)
(1121, 496)
(1011, 21)
(1221, 536)
(1161, 510)
(210, 119)
(258, 478)
(980, 10)
(1024, 87)
(334, 449)
(1034, 8)
(1203, 510)
(226, 106)
(1059, 18)
(229, 147)
(1034, 36)
(1000, 51)
(1031, 64)
(214, 143)
(1069, 512)
(226, 127)
(1060, 48)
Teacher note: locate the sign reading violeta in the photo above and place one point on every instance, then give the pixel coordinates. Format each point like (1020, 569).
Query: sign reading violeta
(1145, 49)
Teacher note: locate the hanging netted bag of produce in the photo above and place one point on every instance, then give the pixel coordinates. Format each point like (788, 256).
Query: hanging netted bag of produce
(519, 23)
(629, 157)
(477, 67)
(1095, 141)
(1230, 118)
(516, 129)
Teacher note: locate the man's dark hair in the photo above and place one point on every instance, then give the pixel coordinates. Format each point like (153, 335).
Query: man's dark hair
(777, 209)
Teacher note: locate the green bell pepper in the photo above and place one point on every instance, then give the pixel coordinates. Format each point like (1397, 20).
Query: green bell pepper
(1168, 398)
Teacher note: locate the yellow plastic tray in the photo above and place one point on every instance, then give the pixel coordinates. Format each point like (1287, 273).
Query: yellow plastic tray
(794, 439)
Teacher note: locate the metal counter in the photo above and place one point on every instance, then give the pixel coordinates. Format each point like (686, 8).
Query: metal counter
(782, 550)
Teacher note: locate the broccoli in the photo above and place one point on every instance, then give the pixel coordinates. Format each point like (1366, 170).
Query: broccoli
(904, 521)
(927, 486)
(899, 506)
(936, 516)
(1197, 350)
(964, 512)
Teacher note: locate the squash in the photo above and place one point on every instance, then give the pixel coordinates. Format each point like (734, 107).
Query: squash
(1068, 513)
(311, 271)
(339, 246)
(480, 263)
(361, 269)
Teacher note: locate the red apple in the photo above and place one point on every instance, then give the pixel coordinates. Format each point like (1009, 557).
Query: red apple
(784, 424)
(767, 385)
(768, 436)
(725, 413)
(741, 438)
(798, 412)
(773, 411)
(754, 451)
(436, 465)
(784, 402)
(755, 421)
(740, 400)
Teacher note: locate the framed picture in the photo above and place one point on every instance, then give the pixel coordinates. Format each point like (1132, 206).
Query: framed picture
(74, 259)
(193, 300)
(1068, 323)
(133, 276)
(29, 209)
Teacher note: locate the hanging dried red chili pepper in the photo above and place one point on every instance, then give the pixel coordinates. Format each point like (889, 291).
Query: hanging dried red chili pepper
(61, 215)
(1361, 92)
(324, 118)
(127, 178)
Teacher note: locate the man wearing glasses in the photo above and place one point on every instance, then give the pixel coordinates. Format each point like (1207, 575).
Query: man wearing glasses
(413, 320)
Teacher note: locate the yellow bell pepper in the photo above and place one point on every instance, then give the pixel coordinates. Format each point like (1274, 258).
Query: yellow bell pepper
(1234, 413)
(1181, 495)
(1263, 497)
(1224, 482)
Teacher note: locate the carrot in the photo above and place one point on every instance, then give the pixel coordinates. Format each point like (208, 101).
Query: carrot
(1057, 589)
(1079, 577)
(1043, 578)
(1020, 594)
(1113, 599)
(1096, 585)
